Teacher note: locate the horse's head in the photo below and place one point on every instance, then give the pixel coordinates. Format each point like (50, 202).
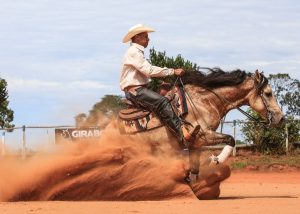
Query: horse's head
(263, 101)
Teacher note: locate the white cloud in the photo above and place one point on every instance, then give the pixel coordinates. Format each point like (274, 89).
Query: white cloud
(88, 84)
(16, 84)
(31, 83)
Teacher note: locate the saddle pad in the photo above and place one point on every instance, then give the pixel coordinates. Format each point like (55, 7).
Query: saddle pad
(133, 113)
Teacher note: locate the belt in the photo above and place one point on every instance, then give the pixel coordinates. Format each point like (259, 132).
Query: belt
(132, 88)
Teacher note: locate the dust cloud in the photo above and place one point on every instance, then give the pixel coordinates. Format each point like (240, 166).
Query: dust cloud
(114, 168)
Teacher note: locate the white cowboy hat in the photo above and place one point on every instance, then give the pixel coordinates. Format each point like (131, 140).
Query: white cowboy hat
(136, 29)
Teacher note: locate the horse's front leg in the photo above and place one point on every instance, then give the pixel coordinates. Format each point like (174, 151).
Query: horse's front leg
(212, 138)
(194, 159)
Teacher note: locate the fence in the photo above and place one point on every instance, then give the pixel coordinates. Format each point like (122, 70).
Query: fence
(235, 123)
(226, 127)
(20, 139)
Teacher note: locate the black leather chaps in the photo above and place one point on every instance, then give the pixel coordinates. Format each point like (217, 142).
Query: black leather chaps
(160, 105)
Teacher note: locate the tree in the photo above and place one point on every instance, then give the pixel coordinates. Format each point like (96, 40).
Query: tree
(162, 60)
(272, 140)
(109, 103)
(105, 108)
(80, 119)
(287, 92)
(6, 114)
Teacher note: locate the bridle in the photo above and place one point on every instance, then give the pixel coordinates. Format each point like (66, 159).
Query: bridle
(260, 85)
(259, 88)
(269, 114)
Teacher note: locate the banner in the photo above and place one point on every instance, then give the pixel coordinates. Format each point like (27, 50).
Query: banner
(76, 134)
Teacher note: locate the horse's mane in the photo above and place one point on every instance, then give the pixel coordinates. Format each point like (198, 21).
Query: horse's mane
(215, 78)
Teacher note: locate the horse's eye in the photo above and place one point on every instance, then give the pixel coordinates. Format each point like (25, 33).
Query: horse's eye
(268, 94)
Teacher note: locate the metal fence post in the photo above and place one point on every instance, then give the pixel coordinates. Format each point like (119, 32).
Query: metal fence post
(286, 139)
(222, 124)
(24, 143)
(234, 136)
(3, 144)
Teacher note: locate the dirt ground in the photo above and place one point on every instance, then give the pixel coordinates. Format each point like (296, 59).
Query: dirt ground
(243, 192)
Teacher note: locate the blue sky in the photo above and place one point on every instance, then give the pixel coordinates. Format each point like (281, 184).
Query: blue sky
(60, 57)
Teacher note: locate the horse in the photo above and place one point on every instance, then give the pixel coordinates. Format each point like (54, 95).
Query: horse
(211, 97)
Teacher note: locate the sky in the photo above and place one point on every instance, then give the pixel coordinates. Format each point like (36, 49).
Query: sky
(61, 57)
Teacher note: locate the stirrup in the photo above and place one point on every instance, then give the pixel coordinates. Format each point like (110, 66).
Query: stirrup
(192, 134)
(195, 131)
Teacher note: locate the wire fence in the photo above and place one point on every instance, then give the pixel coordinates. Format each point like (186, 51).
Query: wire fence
(26, 138)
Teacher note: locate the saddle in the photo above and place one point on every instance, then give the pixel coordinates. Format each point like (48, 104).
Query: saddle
(132, 112)
(134, 119)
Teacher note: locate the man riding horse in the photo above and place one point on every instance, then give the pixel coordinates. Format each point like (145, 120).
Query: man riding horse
(136, 72)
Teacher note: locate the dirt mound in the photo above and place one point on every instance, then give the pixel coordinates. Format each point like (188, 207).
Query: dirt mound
(116, 168)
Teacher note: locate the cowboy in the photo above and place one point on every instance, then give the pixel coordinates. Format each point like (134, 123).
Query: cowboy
(135, 75)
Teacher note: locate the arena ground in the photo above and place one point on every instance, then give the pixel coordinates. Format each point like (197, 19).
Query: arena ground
(243, 192)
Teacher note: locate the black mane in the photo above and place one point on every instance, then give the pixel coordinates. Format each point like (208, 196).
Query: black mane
(215, 78)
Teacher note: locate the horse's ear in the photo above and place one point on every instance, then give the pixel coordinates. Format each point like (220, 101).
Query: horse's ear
(258, 76)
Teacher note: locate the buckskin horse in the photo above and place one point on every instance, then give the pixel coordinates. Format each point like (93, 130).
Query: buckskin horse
(212, 96)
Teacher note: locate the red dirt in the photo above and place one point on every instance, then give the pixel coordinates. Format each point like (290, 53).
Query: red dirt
(242, 193)
(121, 169)
(115, 168)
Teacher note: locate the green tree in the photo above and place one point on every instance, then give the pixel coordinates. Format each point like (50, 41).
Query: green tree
(106, 107)
(287, 92)
(272, 140)
(108, 104)
(6, 114)
(160, 59)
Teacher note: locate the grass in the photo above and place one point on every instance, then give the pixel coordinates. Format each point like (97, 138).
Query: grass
(281, 160)
(238, 165)
(265, 161)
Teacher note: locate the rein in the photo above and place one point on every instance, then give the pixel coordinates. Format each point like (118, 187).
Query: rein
(190, 100)
(249, 116)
